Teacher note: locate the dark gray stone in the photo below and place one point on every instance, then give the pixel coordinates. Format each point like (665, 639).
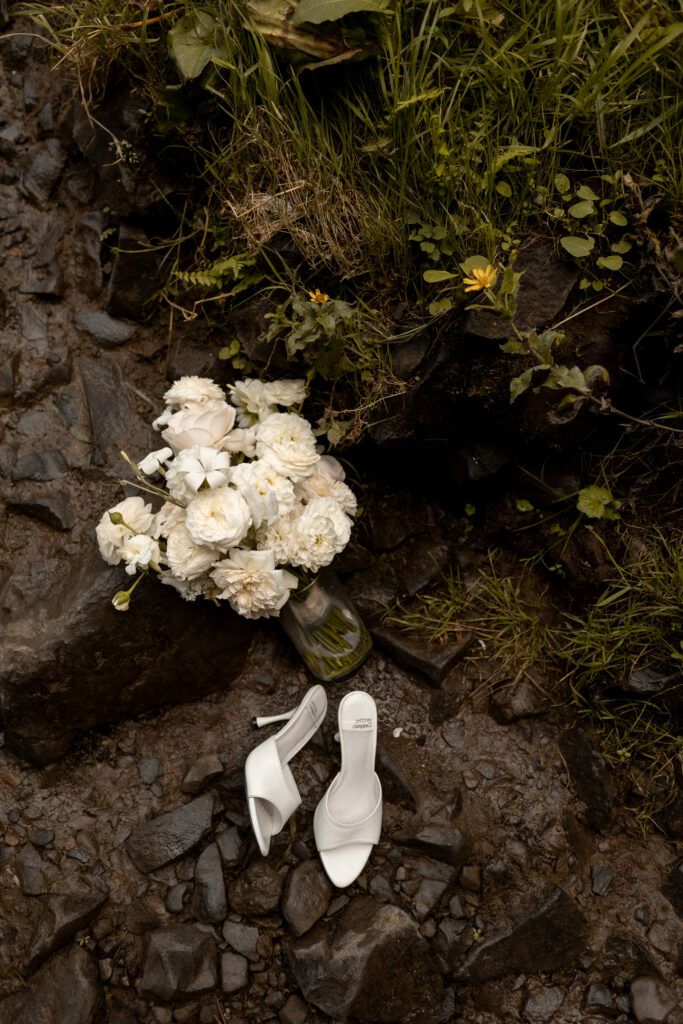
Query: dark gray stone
(65, 991)
(256, 891)
(601, 878)
(134, 277)
(51, 509)
(406, 356)
(87, 247)
(396, 786)
(201, 773)
(442, 842)
(229, 845)
(42, 836)
(61, 918)
(370, 963)
(599, 1000)
(433, 660)
(587, 775)
(39, 466)
(624, 955)
(150, 770)
(47, 281)
(234, 972)
(294, 1011)
(251, 328)
(643, 915)
(208, 897)
(29, 866)
(243, 938)
(171, 835)
(107, 332)
(180, 963)
(541, 1003)
(651, 1000)
(40, 173)
(552, 936)
(511, 702)
(306, 896)
(174, 898)
(673, 888)
(428, 896)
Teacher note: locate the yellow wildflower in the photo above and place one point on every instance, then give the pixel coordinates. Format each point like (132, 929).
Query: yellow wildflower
(318, 296)
(480, 279)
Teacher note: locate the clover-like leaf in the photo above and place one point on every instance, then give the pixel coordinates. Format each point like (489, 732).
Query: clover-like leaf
(582, 209)
(193, 42)
(576, 246)
(596, 502)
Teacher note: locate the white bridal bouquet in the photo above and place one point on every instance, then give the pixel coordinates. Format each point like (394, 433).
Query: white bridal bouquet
(246, 493)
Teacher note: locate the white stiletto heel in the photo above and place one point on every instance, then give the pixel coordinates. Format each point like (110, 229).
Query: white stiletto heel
(348, 819)
(272, 794)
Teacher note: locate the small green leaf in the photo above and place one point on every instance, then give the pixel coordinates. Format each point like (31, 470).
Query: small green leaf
(557, 212)
(583, 209)
(562, 183)
(577, 247)
(468, 265)
(610, 262)
(440, 306)
(193, 42)
(596, 503)
(618, 218)
(622, 246)
(503, 189)
(470, 510)
(523, 505)
(587, 193)
(313, 12)
(513, 347)
(436, 276)
(584, 283)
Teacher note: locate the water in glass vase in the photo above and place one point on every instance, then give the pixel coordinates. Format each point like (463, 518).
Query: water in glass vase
(325, 628)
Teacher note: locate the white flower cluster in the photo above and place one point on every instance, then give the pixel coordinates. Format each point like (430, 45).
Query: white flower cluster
(247, 493)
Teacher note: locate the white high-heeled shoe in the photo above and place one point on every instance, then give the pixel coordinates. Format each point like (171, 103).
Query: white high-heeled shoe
(348, 819)
(272, 794)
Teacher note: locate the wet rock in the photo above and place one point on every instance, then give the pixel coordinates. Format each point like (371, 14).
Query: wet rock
(47, 281)
(428, 896)
(587, 775)
(150, 770)
(599, 1000)
(243, 938)
(306, 897)
(41, 171)
(66, 989)
(107, 332)
(433, 660)
(180, 963)
(201, 773)
(625, 955)
(601, 878)
(390, 520)
(541, 1003)
(42, 836)
(175, 898)
(442, 842)
(544, 289)
(39, 466)
(62, 917)
(208, 897)
(29, 866)
(51, 509)
(234, 972)
(651, 1000)
(470, 878)
(406, 356)
(642, 915)
(171, 835)
(294, 1011)
(370, 963)
(134, 275)
(87, 247)
(673, 888)
(118, 1012)
(514, 701)
(548, 938)
(56, 628)
(420, 562)
(256, 891)
(229, 845)
(251, 328)
(396, 786)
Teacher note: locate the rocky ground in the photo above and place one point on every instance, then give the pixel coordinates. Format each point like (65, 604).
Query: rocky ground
(509, 882)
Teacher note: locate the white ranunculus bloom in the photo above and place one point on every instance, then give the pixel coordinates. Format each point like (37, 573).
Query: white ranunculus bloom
(190, 590)
(152, 463)
(331, 467)
(333, 511)
(138, 551)
(320, 485)
(193, 391)
(187, 560)
(249, 397)
(218, 518)
(137, 518)
(252, 584)
(287, 442)
(277, 536)
(314, 542)
(240, 441)
(208, 423)
(168, 515)
(266, 480)
(195, 467)
(285, 392)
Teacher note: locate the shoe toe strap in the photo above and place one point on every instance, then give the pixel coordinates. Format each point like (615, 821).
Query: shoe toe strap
(331, 834)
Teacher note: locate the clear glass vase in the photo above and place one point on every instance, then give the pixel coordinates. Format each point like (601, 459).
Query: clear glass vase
(325, 628)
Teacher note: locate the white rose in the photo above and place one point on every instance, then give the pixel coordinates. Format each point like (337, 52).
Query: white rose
(252, 584)
(313, 543)
(190, 590)
(261, 475)
(192, 391)
(331, 467)
(187, 560)
(285, 392)
(194, 467)
(277, 536)
(152, 463)
(240, 441)
(333, 511)
(168, 515)
(320, 485)
(286, 441)
(136, 516)
(249, 398)
(138, 552)
(218, 518)
(208, 423)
